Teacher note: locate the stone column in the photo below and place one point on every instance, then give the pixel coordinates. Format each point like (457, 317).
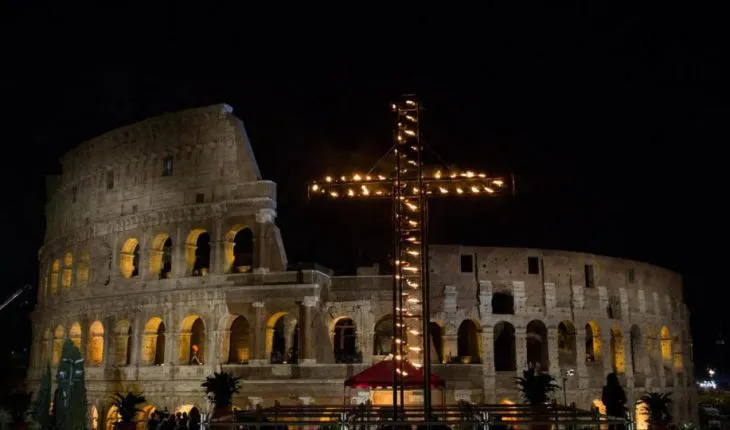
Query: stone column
(521, 349)
(224, 347)
(136, 343)
(217, 251)
(606, 352)
(489, 382)
(365, 343)
(258, 335)
(580, 359)
(306, 336)
(179, 262)
(553, 355)
(264, 219)
(109, 345)
(212, 353)
(183, 347)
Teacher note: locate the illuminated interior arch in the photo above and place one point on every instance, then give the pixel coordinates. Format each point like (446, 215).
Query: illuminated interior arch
(618, 353)
(82, 269)
(468, 344)
(112, 417)
(192, 341)
(129, 258)
(239, 341)
(282, 338)
(567, 351)
(345, 341)
(593, 342)
(93, 418)
(153, 342)
(96, 344)
(666, 342)
(75, 335)
(55, 273)
(123, 343)
(197, 252)
(68, 261)
(58, 336)
(238, 249)
(161, 256)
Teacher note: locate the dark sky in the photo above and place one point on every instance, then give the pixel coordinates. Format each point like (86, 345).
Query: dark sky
(612, 120)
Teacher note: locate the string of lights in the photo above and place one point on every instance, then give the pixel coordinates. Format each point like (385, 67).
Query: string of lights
(403, 178)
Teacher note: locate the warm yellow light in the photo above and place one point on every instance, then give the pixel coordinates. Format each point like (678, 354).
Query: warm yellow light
(411, 206)
(443, 190)
(437, 175)
(414, 332)
(381, 177)
(489, 190)
(410, 118)
(365, 191)
(315, 187)
(452, 176)
(356, 177)
(334, 193)
(482, 175)
(328, 179)
(410, 102)
(459, 191)
(412, 223)
(379, 193)
(368, 178)
(350, 193)
(469, 174)
(415, 190)
(415, 348)
(343, 178)
(474, 189)
(498, 182)
(409, 132)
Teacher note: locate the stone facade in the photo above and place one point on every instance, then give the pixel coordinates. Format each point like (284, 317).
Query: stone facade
(163, 263)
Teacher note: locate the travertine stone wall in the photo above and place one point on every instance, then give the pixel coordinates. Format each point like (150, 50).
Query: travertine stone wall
(119, 198)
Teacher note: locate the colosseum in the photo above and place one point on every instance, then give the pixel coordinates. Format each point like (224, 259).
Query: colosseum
(161, 236)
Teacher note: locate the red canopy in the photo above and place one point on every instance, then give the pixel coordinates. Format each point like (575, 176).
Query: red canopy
(381, 375)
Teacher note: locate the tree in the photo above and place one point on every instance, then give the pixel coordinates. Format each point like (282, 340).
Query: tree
(42, 407)
(70, 407)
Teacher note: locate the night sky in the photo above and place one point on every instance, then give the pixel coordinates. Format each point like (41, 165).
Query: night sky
(611, 119)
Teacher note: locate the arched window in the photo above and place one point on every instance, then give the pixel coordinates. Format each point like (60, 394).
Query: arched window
(198, 252)
(567, 354)
(129, 258)
(96, 344)
(503, 303)
(537, 346)
(505, 359)
(282, 339)
(383, 336)
(345, 342)
(238, 350)
(468, 342)
(192, 341)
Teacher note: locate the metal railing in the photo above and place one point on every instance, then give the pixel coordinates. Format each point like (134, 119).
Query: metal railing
(464, 416)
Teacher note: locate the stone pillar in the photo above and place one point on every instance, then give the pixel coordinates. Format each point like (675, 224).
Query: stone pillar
(109, 345)
(553, 355)
(171, 351)
(136, 343)
(258, 335)
(607, 359)
(489, 382)
(521, 349)
(183, 347)
(451, 344)
(580, 358)
(212, 353)
(264, 219)
(365, 343)
(217, 248)
(306, 336)
(179, 262)
(224, 347)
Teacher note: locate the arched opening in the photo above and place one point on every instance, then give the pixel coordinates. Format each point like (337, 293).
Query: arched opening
(238, 346)
(58, 336)
(198, 252)
(153, 342)
(75, 335)
(112, 417)
(593, 342)
(505, 359)
(93, 418)
(68, 261)
(282, 339)
(239, 249)
(96, 344)
(82, 269)
(503, 303)
(567, 353)
(637, 356)
(123, 343)
(345, 342)
(677, 354)
(192, 341)
(642, 417)
(467, 342)
(129, 258)
(666, 342)
(437, 342)
(161, 256)
(537, 346)
(55, 273)
(618, 358)
(383, 337)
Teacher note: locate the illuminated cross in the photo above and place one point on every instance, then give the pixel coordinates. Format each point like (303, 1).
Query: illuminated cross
(409, 184)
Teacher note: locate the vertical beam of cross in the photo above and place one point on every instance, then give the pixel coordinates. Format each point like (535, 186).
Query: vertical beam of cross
(409, 184)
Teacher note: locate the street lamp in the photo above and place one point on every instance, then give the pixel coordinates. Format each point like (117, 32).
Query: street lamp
(711, 372)
(567, 374)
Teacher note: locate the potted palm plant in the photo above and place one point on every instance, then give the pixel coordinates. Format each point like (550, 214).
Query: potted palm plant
(535, 388)
(656, 406)
(127, 406)
(220, 388)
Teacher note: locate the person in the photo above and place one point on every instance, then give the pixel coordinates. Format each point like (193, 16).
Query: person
(614, 399)
(194, 359)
